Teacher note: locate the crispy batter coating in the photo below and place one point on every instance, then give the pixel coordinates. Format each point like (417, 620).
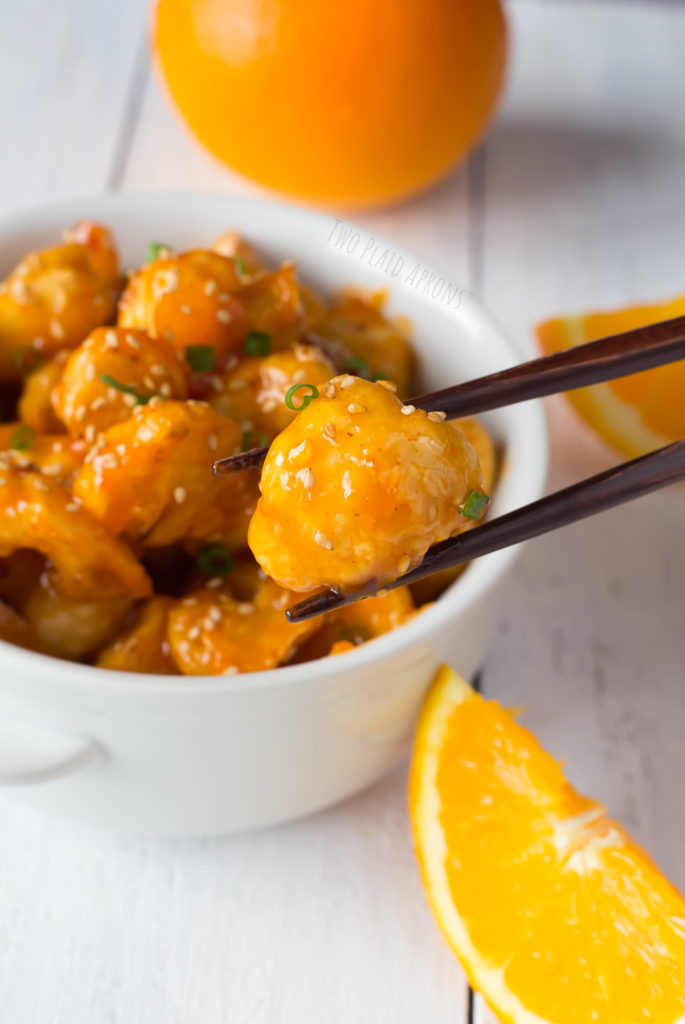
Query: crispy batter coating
(35, 404)
(273, 304)
(188, 299)
(71, 627)
(355, 624)
(357, 488)
(87, 404)
(40, 514)
(233, 245)
(151, 478)
(211, 633)
(358, 321)
(15, 630)
(431, 587)
(144, 646)
(253, 392)
(54, 297)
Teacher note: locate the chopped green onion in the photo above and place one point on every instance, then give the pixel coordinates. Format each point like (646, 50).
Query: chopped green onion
(474, 505)
(240, 266)
(27, 359)
(251, 439)
(215, 560)
(355, 634)
(358, 365)
(257, 343)
(155, 250)
(112, 382)
(375, 377)
(200, 358)
(306, 399)
(23, 437)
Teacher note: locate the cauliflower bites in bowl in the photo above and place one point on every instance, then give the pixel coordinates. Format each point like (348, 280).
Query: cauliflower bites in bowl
(118, 548)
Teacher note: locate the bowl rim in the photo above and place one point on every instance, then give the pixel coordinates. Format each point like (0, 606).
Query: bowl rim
(472, 585)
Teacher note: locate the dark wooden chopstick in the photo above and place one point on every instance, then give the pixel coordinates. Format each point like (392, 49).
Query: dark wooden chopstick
(614, 487)
(615, 356)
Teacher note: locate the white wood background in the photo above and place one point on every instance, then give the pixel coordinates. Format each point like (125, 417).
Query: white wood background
(576, 200)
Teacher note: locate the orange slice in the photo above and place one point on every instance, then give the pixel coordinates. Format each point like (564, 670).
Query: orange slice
(634, 414)
(556, 915)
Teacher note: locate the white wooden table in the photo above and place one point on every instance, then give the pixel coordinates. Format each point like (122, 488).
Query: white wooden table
(576, 199)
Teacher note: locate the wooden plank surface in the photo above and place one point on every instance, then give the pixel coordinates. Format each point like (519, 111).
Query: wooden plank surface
(575, 200)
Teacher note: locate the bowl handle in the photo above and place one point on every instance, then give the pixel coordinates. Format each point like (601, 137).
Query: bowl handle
(30, 754)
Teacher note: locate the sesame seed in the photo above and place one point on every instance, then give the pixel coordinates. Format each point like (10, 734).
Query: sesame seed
(3, 482)
(407, 410)
(245, 608)
(214, 583)
(133, 341)
(72, 506)
(303, 353)
(157, 370)
(323, 541)
(57, 446)
(120, 449)
(232, 670)
(130, 400)
(217, 383)
(38, 343)
(232, 362)
(40, 485)
(329, 430)
(97, 403)
(189, 602)
(213, 442)
(382, 593)
(388, 385)
(208, 623)
(214, 613)
(303, 448)
(403, 564)
(56, 329)
(307, 477)
(89, 433)
(148, 382)
(179, 495)
(165, 389)
(269, 405)
(237, 385)
(346, 382)
(154, 402)
(186, 310)
(111, 340)
(193, 633)
(299, 375)
(90, 372)
(54, 469)
(330, 391)
(80, 413)
(223, 316)
(210, 287)
(354, 408)
(437, 417)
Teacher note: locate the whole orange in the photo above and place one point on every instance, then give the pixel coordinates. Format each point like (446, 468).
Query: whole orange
(357, 102)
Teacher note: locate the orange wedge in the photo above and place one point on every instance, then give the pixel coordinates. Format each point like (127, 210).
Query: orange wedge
(634, 414)
(556, 915)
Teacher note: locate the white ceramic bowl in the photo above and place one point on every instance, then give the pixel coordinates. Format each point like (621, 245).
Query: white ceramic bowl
(189, 756)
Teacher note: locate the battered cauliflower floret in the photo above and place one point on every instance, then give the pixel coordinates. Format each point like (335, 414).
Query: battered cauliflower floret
(112, 371)
(55, 455)
(71, 627)
(40, 514)
(150, 476)
(35, 405)
(254, 391)
(188, 299)
(213, 633)
(358, 321)
(234, 246)
(358, 487)
(55, 297)
(143, 647)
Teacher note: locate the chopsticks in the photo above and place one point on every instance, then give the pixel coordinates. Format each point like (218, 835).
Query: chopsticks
(606, 490)
(606, 359)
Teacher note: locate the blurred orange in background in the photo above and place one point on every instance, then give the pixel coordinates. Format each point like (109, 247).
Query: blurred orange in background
(357, 103)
